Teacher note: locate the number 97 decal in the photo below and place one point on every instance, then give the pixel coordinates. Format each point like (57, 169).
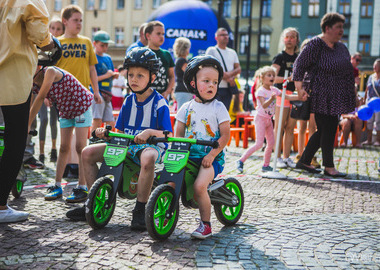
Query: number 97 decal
(175, 157)
(114, 151)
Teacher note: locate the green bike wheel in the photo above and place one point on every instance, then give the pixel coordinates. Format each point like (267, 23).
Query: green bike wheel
(99, 209)
(17, 188)
(159, 227)
(229, 215)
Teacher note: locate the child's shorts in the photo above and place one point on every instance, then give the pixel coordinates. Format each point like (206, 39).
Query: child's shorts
(215, 164)
(102, 111)
(134, 151)
(83, 120)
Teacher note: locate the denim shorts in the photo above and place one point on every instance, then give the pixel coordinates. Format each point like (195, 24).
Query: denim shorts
(83, 120)
(215, 164)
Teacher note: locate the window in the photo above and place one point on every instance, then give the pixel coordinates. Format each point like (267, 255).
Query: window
(93, 31)
(120, 4)
(295, 8)
(243, 43)
(366, 8)
(245, 8)
(74, 2)
(57, 5)
(227, 8)
(102, 4)
(364, 43)
(267, 5)
(344, 6)
(136, 34)
(119, 36)
(313, 8)
(156, 3)
(90, 4)
(344, 40)
(208, 2)
(264, 43)
(138, 4)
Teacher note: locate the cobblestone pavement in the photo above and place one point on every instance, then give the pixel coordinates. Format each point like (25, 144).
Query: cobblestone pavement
(304, 222)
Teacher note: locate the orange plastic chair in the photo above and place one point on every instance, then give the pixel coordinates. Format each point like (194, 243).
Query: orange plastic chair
(237, 133)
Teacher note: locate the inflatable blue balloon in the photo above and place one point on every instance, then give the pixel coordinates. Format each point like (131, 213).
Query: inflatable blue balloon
(365, 113)
(374, 104)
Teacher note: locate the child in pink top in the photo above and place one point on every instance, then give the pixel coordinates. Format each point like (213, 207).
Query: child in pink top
(266, 96)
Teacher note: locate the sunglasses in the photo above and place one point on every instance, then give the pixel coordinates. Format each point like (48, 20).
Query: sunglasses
(358, 60)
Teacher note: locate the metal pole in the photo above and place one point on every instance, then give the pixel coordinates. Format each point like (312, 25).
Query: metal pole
(220, 12)
(249, 46)
(237, 17)
(259, 34)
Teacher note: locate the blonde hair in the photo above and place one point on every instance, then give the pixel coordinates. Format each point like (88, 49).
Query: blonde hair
(281, 44)
(264, 70)
(56, 19)
(180, 47)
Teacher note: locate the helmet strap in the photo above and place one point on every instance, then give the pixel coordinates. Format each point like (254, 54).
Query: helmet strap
(146, 87)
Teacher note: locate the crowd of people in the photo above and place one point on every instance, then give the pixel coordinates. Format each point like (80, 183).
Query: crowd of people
(82, 88)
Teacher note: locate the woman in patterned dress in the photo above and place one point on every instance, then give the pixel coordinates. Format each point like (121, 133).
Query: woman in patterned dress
(332, 89)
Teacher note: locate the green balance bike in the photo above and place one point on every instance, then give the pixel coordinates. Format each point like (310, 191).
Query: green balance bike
(162, 209)
(21, 177)
(118, 174)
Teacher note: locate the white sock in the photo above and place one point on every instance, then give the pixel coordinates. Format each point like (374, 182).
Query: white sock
(59, 184)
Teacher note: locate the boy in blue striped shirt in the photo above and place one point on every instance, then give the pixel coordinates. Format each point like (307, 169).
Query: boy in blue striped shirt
(145, 113)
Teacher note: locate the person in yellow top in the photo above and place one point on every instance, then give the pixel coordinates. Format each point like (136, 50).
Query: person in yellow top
(79, 59)
(24, 24)
(236, 107)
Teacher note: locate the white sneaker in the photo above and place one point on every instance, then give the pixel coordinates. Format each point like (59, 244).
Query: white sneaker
(290, 163)
(11, 215)
(280, 163)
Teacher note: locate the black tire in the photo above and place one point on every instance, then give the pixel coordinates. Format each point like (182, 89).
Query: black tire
(230, 215)
(97, 215)
(17, 189)
(159, 227)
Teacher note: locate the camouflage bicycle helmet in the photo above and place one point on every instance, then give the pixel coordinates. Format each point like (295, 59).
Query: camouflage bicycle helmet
(142, 57)
(194, 65)
(50, 58)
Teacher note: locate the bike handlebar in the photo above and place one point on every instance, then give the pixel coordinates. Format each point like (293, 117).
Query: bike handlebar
(155, 140)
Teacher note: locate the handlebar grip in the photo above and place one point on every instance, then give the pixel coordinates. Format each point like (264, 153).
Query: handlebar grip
(213, 144)
(93, 134)
(155, 140)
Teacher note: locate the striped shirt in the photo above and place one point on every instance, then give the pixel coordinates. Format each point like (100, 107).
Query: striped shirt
(135, 117)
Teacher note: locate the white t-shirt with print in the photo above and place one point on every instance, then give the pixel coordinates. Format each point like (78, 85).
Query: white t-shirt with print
(202, 122)
(267, 112)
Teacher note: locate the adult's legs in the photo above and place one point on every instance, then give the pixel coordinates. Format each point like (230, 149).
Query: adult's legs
(53, 127)
(16, 129)
(42, 130)
(288, 134)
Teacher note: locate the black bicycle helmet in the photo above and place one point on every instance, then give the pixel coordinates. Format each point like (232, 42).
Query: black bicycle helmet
(145, 58)
(142, 57)
(50, 58)
(194, 65)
